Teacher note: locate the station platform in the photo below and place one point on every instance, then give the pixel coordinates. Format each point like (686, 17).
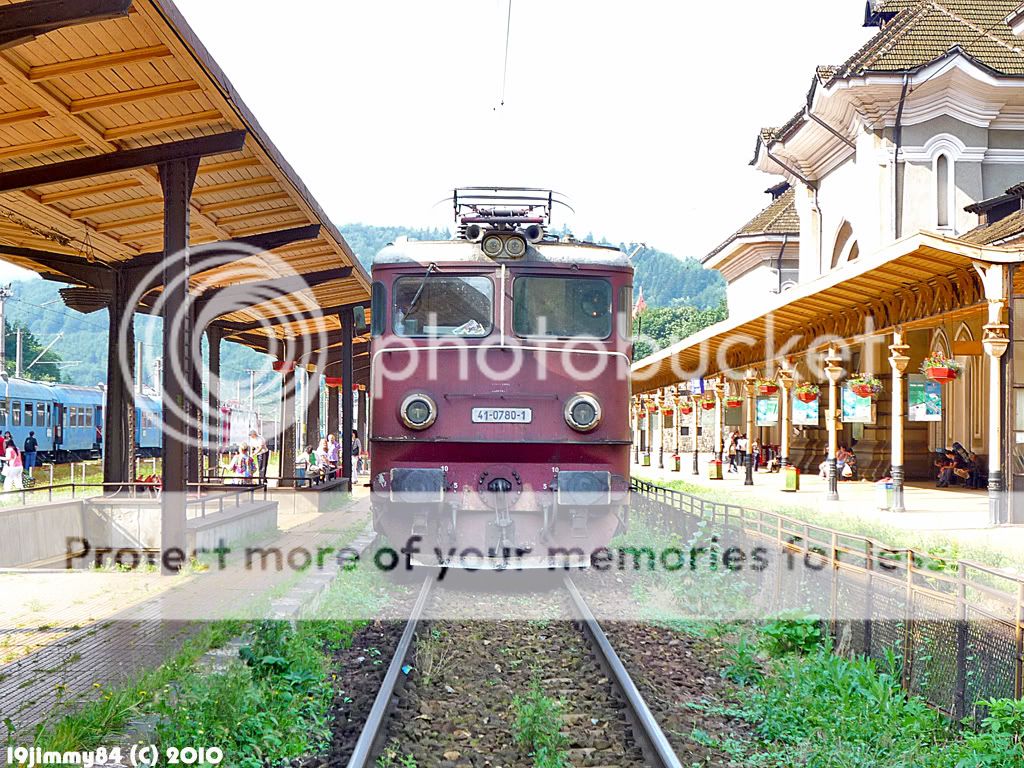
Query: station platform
(941, 518)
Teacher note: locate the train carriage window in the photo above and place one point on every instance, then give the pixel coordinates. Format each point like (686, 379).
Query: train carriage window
(4, 408)
(562, 307)
(16, 413)
(74, 416)
(378, 308)
(30, 413)
(443, 305)
(40, 414)
(88, 417)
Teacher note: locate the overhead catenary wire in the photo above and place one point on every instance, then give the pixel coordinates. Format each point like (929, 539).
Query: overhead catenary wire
(504, 70)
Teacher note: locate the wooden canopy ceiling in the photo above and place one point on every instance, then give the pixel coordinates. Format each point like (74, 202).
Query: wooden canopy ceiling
(143, 79)
(915, 282)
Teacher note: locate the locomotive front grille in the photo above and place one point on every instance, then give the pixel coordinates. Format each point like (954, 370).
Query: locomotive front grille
(417, 485)
(584, 488)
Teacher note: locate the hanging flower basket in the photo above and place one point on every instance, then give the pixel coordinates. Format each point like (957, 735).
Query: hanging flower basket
(652, 408)
(767, 387)
(667, 412)
(686, 410)
(807, 392)
(865, 385)
(733, 402)
(333, 381)
(707, 405)
(284, 366)
(941, 369)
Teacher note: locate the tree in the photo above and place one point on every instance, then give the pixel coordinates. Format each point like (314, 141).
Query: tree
(662, 327)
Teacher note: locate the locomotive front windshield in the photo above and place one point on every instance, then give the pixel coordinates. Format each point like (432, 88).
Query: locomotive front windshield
(562, 307)
(443, 305)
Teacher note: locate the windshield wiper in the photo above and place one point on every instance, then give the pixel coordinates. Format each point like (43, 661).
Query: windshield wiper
(419, 291)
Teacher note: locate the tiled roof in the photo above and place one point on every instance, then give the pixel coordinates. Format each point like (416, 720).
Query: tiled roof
(779, 218)
(1004, 229)
(925, 30)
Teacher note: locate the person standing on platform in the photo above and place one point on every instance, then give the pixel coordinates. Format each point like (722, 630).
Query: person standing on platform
(357, 449)
(333, 456)
(13, 467)
(29, 457)
(259, 453)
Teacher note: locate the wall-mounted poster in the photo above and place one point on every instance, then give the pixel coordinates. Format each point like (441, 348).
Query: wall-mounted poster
(925, 398)
(767, 413)
(707, 420)
(734, 417)
(856, 408)
(805, 414)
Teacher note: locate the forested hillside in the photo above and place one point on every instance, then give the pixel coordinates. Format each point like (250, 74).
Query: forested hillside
(681, 284)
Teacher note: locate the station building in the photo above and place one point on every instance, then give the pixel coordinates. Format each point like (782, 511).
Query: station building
(896, 233)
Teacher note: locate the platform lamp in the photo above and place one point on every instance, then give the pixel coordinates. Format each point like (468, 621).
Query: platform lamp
(749, 382)
(695, 430)
(898, 359)
(834, 372)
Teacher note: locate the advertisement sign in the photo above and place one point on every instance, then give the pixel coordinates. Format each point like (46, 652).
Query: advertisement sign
(925, 398)
(856, 409)
(805, 414)
(767, 413)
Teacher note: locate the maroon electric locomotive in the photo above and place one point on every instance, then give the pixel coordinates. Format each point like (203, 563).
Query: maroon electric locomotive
(499, 429)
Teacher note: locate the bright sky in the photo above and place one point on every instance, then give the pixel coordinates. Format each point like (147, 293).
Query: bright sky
(643, 113)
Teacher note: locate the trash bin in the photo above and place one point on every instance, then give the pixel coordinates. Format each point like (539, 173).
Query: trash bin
(791, 479)
(714, 470)
(883, 493)
(675, 463)
(646, 460)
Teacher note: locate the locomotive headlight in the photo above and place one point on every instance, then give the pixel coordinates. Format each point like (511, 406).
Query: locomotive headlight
(583, 412)
(515, 247)
(492, 246)
(418, 411)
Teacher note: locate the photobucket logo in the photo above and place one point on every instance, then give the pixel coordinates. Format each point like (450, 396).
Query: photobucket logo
(266, 301)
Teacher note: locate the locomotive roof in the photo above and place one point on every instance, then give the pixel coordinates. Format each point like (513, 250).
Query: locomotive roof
(548, 252)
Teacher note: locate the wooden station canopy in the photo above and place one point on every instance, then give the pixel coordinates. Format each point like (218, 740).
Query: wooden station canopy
(912, 283)
(93, 94)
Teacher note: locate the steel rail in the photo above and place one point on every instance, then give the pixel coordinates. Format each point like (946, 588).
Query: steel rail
(657, 751)
(372, 735)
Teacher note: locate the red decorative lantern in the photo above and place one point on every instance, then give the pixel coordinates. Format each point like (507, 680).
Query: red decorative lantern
(284, 366)
(941, 375)
(333, 381)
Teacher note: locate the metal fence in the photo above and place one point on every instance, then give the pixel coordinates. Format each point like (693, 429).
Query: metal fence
(960, 625)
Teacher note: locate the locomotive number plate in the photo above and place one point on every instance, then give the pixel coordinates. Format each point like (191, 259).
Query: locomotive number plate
(502, 415)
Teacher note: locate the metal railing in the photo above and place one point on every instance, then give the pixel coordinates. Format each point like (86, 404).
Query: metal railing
(960, 625)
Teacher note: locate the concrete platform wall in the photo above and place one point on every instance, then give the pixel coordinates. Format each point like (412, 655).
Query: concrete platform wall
(39, 533)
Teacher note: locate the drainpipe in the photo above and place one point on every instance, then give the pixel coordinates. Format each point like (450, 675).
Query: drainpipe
(897, 185)
(782, 251)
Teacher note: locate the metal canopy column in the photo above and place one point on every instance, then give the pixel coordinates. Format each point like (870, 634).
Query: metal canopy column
(119, 409)
(286, 441)
(898, 360)
(313, 408)
(177, 178)
(347, 322)
(214, 335)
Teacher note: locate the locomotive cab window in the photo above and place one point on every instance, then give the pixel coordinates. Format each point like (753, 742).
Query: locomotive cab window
(562, 307)
(443, 305)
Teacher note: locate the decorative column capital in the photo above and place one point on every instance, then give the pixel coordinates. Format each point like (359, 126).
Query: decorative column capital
(898, 358)
(785, 379)
(995, 339)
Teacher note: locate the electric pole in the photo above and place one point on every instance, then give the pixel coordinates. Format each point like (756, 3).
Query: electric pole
(17, 356)
(5, 294)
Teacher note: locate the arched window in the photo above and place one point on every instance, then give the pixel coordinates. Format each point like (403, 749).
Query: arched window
(846, 247)
(943, 190)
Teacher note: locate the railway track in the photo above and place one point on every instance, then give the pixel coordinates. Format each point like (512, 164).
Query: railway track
(606, 717)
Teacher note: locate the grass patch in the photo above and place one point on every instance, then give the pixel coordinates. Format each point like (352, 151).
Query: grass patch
(537, 728)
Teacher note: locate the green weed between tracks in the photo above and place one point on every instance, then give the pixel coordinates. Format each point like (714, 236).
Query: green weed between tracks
(268, 706)
(537, 728)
